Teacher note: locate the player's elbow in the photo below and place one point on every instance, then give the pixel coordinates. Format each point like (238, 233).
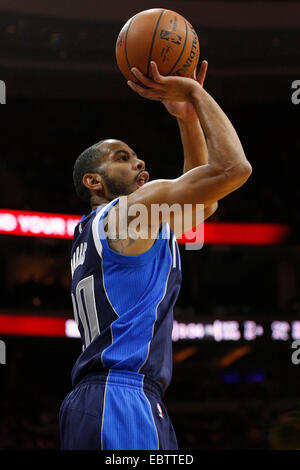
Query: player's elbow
(214, 207)
(210, 210)
(246, 170)
(240, 172)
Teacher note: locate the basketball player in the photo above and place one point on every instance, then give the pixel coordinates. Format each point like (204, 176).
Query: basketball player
(124, 289)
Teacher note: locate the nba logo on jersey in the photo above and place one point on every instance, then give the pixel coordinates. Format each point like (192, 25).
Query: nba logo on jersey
(160, 412)
(80, 227)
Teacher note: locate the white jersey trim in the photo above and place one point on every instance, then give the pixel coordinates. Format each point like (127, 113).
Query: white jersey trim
(95, 225)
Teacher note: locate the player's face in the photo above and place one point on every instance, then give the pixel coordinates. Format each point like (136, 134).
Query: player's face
(123, 171)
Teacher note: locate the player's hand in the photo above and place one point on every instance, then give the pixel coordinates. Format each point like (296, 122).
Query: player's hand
(185, 110)
(163, 88)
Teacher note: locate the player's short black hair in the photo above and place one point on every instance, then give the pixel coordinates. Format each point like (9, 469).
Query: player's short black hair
(88, 162)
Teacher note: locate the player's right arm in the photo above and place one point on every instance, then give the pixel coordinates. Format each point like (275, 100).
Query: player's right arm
(227, 168)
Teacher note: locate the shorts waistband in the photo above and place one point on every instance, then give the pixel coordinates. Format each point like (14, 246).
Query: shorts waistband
(125, 378)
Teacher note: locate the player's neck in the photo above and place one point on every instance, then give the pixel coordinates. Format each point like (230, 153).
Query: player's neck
(94, 206)
(97, 201)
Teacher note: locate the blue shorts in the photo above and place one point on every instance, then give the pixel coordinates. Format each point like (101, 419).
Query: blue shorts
(115, 411)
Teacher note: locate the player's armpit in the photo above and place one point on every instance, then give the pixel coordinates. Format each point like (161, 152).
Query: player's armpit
(128, 232)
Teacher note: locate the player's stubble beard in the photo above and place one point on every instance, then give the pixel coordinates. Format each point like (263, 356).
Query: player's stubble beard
(116, 187)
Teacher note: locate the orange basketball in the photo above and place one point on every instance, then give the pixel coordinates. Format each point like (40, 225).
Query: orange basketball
(160, 35)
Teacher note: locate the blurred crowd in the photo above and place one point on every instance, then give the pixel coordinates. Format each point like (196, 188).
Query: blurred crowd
(221, 416)
(29, 426)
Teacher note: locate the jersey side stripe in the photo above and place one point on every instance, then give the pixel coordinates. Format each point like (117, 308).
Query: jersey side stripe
(166, 285)
(103, 410)
(151, 413)
(174, 251)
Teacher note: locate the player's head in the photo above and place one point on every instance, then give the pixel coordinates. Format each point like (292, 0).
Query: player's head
(108, 169)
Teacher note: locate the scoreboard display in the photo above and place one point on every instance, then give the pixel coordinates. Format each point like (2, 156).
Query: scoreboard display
(236, 330)
(225, 330)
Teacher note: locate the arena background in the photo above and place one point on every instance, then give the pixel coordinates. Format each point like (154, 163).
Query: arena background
(234, 384)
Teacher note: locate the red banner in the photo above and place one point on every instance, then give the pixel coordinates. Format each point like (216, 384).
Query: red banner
(43, 224)
(37, 224)
(30, 325)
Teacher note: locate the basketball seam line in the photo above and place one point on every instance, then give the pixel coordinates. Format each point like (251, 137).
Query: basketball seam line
(125, 46)
(186, 35)
(153, 39)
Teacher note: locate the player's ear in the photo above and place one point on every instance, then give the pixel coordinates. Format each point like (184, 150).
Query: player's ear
(93, 181)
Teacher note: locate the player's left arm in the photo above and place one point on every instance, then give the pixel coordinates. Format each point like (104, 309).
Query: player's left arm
(195, 150)
(192, 135)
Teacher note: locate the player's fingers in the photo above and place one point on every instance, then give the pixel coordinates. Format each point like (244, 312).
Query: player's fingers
(202, 73)
(156, 75)
(135, 87)
(145, 92)
(142, 78)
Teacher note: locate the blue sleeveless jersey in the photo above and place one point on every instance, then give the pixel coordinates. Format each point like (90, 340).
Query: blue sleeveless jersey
(123, 305)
